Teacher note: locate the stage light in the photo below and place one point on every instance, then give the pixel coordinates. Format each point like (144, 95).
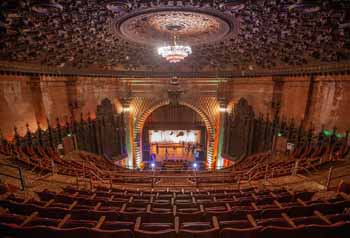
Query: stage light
(194, 165)
(153, 165)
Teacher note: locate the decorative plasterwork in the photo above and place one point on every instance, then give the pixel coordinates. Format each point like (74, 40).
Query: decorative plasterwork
(140, 117)
(191, 26)
(70, 35)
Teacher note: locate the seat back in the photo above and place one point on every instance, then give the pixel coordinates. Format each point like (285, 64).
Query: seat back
(241, 233)
(211, 233)
(155, 234)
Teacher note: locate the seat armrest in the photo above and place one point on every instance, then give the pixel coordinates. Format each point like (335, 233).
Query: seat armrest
(137, 223)
(215, 222)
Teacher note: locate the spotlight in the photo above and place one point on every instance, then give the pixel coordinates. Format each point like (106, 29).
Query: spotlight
(194, 165)
(153, 165)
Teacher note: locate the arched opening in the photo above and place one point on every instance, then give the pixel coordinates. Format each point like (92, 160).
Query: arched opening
(138, 124)
(174, 132)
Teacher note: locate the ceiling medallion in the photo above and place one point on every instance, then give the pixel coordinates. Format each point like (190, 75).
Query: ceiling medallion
(194, 26)
(174, 53)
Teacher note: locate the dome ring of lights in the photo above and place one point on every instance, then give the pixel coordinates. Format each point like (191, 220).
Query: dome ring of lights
(191, 26)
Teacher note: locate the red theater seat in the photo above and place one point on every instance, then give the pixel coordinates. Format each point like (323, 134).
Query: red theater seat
(239, 232)
(208, 229)
(158, 230)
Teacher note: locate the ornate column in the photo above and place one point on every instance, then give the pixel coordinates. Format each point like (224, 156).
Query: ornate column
(222, 124)
(127, 116)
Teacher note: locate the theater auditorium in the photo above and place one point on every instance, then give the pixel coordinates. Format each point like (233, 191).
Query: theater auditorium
(174, 118)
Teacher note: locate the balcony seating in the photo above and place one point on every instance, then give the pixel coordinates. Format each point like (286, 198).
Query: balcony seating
(307, 158)
(46, 160)
(126, 213)
(39, 159)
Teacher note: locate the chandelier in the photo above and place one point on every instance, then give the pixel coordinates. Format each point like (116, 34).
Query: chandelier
(174, 53)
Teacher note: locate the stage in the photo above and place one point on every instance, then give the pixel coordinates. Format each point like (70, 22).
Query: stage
(179, 151)
(174, 145)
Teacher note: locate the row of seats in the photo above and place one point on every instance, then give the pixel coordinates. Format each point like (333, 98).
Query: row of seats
(169, 230)
(128, 212)
(241, 192)
(306, 154)
(338, 150)
(258, 196)
(47, 160)
(262, 200)
(262, 162)
(41, 160)
(53, 217)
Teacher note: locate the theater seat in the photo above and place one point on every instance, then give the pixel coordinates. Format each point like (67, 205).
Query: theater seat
(155, 230)
(237, 224)
(240, 232)
(338, 230)
(200, 229)
(221, 215)
(273, 222)
(273, 213)
(334, 218)
(116, 225)
(15, 231)
(158, 217)
(288, 232)
(188, 215)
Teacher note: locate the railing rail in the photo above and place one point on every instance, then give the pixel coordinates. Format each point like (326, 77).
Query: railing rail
(95, 167)
(95, 175)
(197, 177)
(331, 177)
(20, 176)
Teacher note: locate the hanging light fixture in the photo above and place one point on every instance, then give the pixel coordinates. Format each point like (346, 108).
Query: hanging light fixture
(174, 53)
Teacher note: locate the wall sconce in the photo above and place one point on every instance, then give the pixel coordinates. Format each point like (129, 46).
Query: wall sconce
(222, 109)
(126, 109)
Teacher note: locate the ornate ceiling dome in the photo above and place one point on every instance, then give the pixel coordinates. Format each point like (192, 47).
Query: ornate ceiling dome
(225, 35)
(191, 26)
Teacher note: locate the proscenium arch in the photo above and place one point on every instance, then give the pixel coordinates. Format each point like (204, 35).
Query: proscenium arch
(140, 121)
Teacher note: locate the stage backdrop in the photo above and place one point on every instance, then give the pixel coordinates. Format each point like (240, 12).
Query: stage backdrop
(174, 136)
